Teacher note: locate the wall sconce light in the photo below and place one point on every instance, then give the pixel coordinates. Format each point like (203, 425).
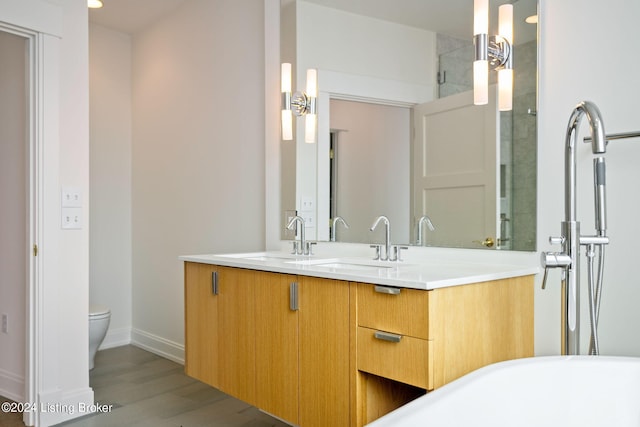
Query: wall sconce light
(496, 51)
(299, 103)
(94, 4)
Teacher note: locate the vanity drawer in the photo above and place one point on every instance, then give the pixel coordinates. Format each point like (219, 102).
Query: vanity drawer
(400, 358)
(398, 310)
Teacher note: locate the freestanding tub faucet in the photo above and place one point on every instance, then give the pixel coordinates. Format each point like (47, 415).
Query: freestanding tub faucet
(571, 239)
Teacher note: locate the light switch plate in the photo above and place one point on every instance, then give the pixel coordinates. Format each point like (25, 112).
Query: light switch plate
(71, 197)
(71, 218)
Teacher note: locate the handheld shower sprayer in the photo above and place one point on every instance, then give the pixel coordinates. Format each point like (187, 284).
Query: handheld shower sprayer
(600, 187)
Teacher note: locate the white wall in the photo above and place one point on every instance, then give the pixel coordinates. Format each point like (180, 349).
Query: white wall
(573, 70)
(111, 141)
(64, 333)
(13, 223)
(198, 153)
(373, 152)
(335, 40)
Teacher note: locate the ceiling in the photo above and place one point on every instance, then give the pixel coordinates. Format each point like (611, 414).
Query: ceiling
(452, 17)
(130, 16)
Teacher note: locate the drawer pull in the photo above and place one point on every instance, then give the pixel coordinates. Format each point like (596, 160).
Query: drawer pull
(386, 336)
(387, 290)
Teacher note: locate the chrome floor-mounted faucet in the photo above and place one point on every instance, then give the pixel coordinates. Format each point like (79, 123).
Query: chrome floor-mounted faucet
(571, 239)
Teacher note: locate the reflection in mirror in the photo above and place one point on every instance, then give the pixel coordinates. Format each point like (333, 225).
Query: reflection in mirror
(393, 111)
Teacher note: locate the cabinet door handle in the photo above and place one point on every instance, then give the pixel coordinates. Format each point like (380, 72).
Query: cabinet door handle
(293, 296)
(214, 283)
(387, 290)
(386, 336)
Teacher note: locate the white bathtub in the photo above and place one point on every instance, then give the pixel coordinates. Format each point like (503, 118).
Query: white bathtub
(562, 391)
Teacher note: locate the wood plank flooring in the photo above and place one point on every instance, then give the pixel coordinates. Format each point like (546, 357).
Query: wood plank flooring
(148, 390)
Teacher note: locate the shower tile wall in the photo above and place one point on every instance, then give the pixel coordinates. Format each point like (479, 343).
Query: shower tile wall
(524, 147)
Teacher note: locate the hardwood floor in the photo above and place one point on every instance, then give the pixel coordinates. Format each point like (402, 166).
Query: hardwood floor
(10, 419)
(148, 390)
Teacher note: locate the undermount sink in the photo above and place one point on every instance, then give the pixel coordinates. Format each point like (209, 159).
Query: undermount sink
(339, 264)
(258, 256)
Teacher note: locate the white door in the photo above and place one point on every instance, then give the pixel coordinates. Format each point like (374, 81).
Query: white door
(455, 173)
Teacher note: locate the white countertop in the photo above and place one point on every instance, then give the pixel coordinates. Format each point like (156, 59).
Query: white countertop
(409, 274)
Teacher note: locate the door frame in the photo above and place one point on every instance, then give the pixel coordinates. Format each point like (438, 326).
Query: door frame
(39, 22)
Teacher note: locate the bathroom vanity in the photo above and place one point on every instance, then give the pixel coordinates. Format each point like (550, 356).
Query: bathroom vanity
(342, 341)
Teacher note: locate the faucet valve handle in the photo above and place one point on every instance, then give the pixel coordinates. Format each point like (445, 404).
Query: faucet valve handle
(377, 248)
(556, 240)
(309, 248)
(294, 250)
(553, 260)
(396, 255)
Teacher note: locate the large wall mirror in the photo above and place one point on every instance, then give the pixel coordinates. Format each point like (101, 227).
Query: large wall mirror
(398, 134)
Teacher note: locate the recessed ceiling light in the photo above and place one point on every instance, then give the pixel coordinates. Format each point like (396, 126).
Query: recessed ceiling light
(94, 4)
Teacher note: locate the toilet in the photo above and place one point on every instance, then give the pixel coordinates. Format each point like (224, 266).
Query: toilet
(99, 317)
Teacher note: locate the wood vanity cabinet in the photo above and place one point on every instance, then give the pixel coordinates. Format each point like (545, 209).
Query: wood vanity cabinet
(320, 352)
(276, 341)
(324, 352)
(411, 341)
(220, 328)
(201, 320)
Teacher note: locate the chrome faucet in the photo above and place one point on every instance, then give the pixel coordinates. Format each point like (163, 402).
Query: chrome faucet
(571, 239)
(423, 220)
(334, 223)
(304, 248)
(387, 241)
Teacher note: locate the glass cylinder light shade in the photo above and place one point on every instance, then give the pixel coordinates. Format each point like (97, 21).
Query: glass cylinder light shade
(310, 128)
(286, 113)
(480, 17)
(505, 89)
(480, 82)
(312, 82)
(481, 64)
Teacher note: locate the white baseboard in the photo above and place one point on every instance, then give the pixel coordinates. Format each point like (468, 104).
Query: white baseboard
(116, 338)
(158, 345)
(11, 386)
(60, 406)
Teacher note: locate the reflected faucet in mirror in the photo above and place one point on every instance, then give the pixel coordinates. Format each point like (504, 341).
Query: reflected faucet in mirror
(334, 223)
(423, 220)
